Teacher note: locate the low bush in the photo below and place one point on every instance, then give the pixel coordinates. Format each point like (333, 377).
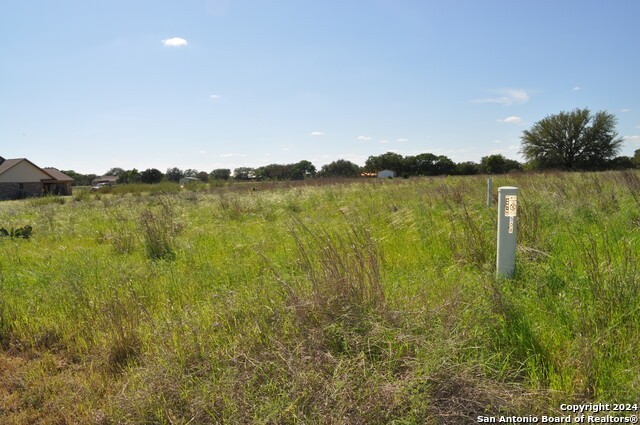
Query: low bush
(24, 232)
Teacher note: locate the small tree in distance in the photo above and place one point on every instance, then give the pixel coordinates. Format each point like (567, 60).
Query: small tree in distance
(573, 140)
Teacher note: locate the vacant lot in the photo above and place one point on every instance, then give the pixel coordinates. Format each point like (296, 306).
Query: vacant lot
(365, 302)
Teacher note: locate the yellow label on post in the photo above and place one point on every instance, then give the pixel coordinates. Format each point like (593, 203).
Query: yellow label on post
(511, 206)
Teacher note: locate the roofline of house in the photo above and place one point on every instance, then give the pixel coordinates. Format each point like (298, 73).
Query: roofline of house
(19, 160)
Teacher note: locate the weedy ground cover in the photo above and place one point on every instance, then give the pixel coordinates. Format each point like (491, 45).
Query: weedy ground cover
(364, 302)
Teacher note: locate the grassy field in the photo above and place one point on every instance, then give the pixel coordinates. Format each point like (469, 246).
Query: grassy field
(364, 302)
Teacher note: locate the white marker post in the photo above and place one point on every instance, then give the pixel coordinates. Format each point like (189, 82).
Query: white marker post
(507, 228)
(489, 191)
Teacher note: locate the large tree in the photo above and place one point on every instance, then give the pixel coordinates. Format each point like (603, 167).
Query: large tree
(575, 140)
(340, 168)
(220, 174)
(174, 174)
(303, 169)
(244, 173)
(387, 161)
(428, 164)
(151, 175)
(129, 176)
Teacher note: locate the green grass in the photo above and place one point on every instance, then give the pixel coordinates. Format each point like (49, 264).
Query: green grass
(363, 302)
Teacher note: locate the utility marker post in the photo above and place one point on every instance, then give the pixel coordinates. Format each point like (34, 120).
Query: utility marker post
(489, 191)
(507, 229)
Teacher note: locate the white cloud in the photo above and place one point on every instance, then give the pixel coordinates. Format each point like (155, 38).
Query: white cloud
(507, 97)
(576, 88)
(634, 138)
(497, 141)
(638, 126)
(625, 110)
(201, 152)
(214, 96)
(511, 120)
(383, 142)
(317, 133)
(175, 42)
(365, 138)
(403, 140)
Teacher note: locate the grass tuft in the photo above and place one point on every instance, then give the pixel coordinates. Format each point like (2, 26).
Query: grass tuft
(159, 227)
(343, 270)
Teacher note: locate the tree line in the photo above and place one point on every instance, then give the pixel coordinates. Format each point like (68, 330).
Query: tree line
(569, 141)
(425, 164)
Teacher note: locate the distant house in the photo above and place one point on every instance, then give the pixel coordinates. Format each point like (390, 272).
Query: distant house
(21, 178)
(187, 180)
(386, 174)
(105, 180)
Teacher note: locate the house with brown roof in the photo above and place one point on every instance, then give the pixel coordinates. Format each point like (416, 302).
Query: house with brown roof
(21, 178)
(105, 180)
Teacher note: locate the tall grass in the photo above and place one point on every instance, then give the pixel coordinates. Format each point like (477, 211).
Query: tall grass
(159, 227)
(371, 302)
(343, 270)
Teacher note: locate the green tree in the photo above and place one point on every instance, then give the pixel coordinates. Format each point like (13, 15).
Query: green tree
(80, 179)
(303, 169)
(340, 168)
(220, 174)
(129, 176)
(575, 140)
(151, 176)
(174, 174)
(190, 172)
(387, 161)
(272, 172)
(467, 168)
(444, 165)
(115, 171)
(203, 176)
(621, 163)
(493, 164)
(636, 158)
(498, 164)
(421, 165)
(244, 173)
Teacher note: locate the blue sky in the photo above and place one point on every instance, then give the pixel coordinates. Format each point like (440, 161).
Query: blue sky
(91, 85)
